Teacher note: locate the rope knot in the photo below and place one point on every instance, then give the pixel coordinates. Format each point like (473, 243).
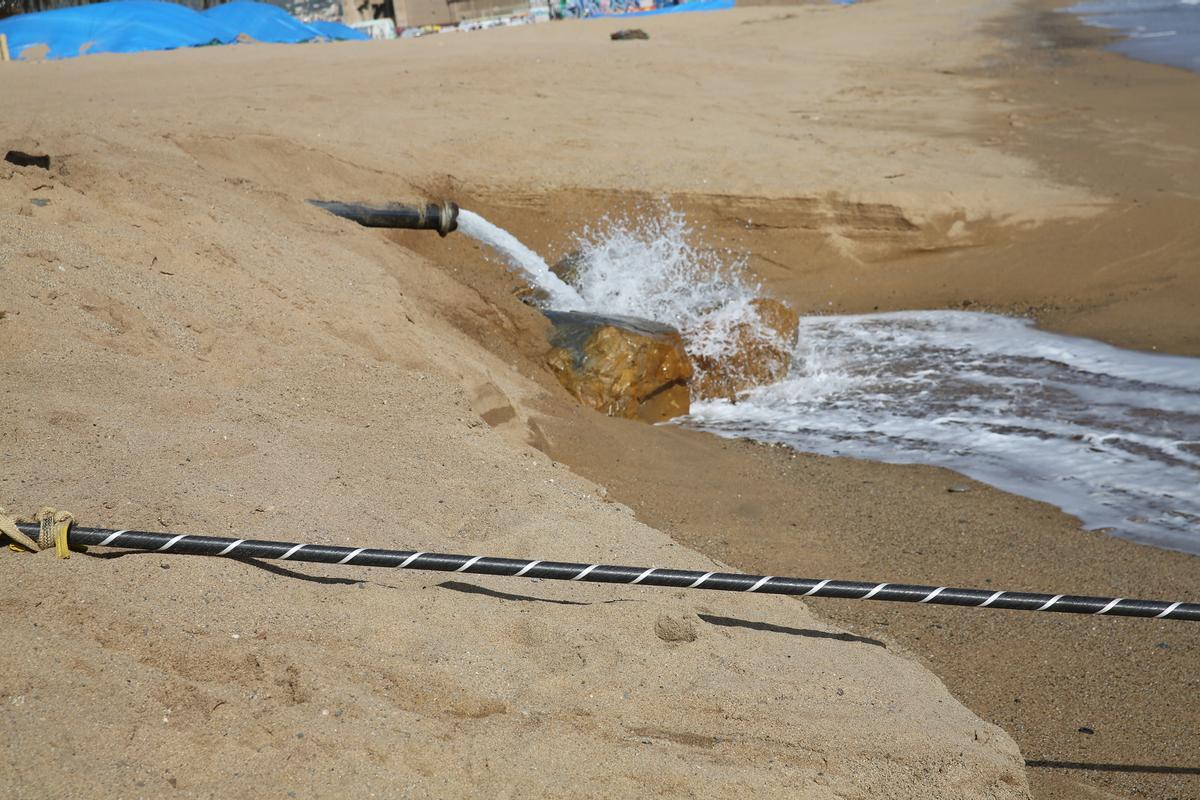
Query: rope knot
(53, 527)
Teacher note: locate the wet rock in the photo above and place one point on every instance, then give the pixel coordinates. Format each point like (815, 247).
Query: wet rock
(567, 268)
(762, 353)
(622, 366)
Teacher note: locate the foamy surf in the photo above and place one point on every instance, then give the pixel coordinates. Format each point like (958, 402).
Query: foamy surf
(1111, 436)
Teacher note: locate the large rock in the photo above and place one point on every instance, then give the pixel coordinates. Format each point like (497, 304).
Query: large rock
(622, 366)
(762, 354)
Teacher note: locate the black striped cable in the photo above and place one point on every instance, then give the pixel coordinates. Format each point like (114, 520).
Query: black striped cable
(184, 544)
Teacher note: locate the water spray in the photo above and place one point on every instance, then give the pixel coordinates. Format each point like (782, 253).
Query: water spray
(429, 217)
(183, 544)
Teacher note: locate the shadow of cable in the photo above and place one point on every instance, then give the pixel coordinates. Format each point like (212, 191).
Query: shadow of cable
(1084, 765)
(266, 566)
(730, 622)
(284, 572)
(113, 554)
(470, 588)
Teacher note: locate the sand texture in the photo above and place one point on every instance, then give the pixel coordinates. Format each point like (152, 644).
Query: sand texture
(190, 353)
(185, 345)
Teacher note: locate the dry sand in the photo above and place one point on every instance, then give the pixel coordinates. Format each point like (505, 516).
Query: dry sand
(187, 346)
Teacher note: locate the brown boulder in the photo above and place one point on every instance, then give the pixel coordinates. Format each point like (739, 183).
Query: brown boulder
(622, 366)
(762, 356)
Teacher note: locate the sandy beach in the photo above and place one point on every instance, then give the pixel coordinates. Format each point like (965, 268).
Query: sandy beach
(188, 346)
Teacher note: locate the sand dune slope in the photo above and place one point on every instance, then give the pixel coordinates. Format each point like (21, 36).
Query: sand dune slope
(186, 352)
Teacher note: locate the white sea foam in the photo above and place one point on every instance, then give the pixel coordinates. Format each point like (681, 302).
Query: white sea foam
(1111, 436)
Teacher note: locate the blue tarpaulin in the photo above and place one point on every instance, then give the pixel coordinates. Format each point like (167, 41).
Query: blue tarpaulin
(266, 23)
(336, 30)
(130, 26)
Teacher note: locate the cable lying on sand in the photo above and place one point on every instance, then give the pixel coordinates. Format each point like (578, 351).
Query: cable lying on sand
(606, 573)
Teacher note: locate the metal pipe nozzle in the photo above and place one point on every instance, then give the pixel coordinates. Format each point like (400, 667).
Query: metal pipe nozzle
(429, 217)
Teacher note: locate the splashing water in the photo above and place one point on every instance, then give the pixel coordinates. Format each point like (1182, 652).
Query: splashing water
(647, 267)
(519, 257)
(1111, 436)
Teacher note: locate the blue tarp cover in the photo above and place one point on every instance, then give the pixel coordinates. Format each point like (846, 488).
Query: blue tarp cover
(267, 23)
(130, 26)
(336, 30)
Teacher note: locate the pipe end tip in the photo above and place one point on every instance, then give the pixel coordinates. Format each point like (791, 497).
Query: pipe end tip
(448, 218)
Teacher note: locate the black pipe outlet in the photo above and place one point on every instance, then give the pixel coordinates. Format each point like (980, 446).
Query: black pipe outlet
(430, 217)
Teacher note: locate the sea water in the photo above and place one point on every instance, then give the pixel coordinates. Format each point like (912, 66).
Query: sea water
(1111, 436)
(1161, 31)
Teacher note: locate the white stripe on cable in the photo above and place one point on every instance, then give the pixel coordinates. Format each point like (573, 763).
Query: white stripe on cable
(352, 555)
(873, 592)
(231, 546)
(584, 573)
(526, 568)
(760, 583)
(816, 588)
(990, 600)
(470, 563)
(641, 577)
(1168, 610)
(1108, 607)
(111, 537)
(1050, 602)
(934, 594)
(172, 543)
(409, 560)
(701, 580)
(290, 553)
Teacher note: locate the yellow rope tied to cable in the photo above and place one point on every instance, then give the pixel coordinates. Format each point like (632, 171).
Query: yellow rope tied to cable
(54, 526)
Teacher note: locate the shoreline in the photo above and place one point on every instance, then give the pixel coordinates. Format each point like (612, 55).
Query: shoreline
(1131, 42)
